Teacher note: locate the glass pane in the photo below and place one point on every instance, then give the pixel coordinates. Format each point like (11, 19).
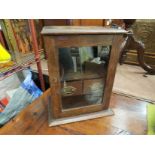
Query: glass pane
(83, 74)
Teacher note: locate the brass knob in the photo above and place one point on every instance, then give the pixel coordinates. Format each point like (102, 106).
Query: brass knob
(54, 80)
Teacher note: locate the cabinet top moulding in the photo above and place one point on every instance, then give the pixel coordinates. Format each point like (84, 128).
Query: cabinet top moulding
(71, 30)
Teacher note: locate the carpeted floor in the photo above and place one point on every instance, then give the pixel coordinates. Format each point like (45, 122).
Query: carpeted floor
(130, 81)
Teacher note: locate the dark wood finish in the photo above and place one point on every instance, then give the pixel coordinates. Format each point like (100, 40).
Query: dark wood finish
(56, 22)
(131, 43)
(54, 78)
(80, 110)
(84, 76)
(92, 22)
(74, 22)
(87, 22)
(114, 56)
(129, 118)
(144, 30)
(132, 58)
(118, 22)
(87, 40)
(56, 37)
(69, 102)
(77, 85)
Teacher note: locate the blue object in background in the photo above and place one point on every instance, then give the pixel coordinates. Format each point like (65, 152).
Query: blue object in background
(25, 94)
(30, 86)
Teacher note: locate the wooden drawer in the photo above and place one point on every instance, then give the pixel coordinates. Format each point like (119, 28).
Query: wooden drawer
(77, 85)
(89, 85)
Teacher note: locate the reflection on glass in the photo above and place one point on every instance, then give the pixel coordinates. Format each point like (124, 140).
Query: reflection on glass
(83, 73)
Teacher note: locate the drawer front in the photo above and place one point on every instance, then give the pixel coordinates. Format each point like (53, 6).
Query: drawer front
(77, 85)
(92, 85)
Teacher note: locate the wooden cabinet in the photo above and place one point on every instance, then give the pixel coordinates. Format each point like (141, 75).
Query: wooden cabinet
(55, 22)
(83, 91)
(73, 22)
(87, 22)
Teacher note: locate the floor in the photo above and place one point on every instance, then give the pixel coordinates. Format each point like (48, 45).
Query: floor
(130, 80)
(129, 119)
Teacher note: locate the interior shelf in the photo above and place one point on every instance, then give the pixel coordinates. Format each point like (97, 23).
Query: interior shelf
(77, 101)
(83, 76)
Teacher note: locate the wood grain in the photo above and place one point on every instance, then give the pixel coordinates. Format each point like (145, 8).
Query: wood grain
(129, 118)
(60, 30)
(82, 40)
(54, 77)
(92, 22)
(78, 36)
(114, 56)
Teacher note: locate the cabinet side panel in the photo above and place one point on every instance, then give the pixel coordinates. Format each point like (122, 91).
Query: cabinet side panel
(114, 55)
(53, 68)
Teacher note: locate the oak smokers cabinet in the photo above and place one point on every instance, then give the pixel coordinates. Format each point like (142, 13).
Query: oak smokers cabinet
(82, 63)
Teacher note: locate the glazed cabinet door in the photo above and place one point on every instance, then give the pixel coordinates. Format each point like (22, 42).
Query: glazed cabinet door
(81, 72)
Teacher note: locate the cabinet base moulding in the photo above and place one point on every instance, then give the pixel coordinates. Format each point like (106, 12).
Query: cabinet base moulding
(66, 120)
